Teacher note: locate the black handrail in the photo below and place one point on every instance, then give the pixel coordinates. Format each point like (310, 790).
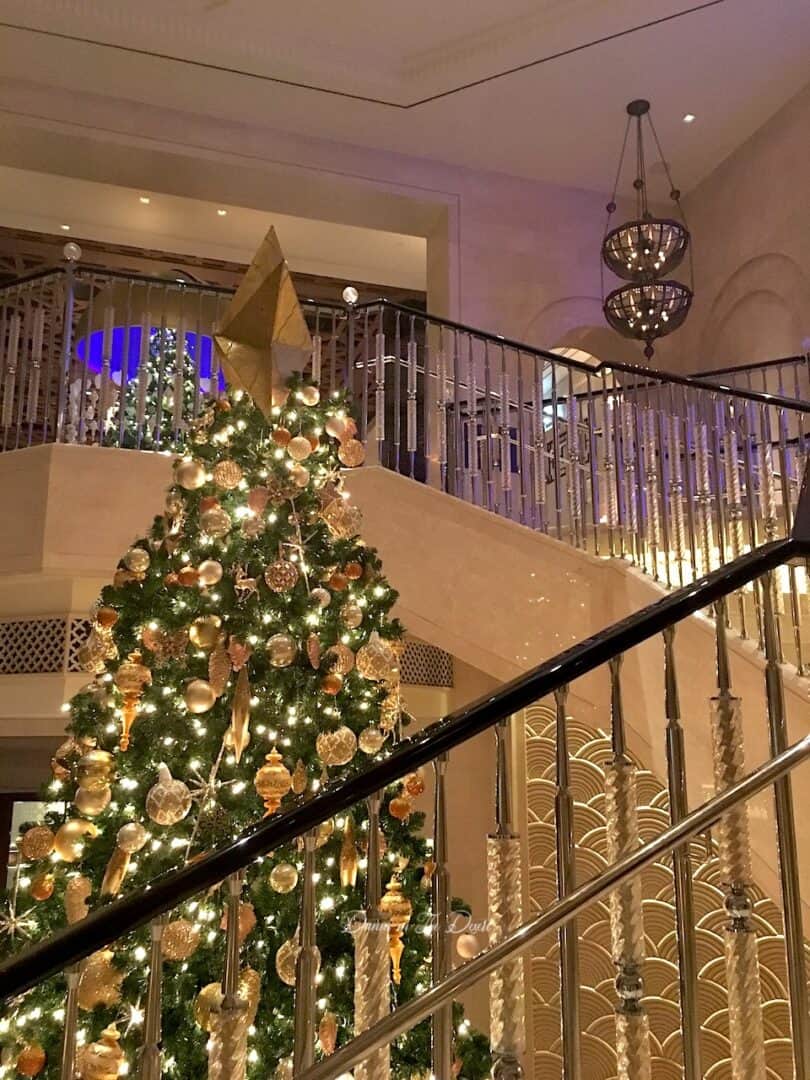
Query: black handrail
(733, 369)
(72, 944)
(637, 370)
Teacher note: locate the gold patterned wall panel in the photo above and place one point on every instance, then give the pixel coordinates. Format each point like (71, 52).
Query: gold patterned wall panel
(591, 751)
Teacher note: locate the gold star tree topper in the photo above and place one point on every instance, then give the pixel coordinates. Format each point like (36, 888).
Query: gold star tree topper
(263, 336)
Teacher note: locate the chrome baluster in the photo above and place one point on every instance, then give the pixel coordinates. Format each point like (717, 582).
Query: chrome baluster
(458, 422)
(556, 455)
(10, 379)
(676, 491)
(522, 470)
(178, 389)
(333, 353)
(196, 360)
(682, 868)
(143, 374)
(51, 366)
(442, 1021)
(307, 966)
(24, 367)
(731, 462)
(372, 963)
(379, 391)
(428, 351)
(161, 375)
(410, 405)
(67, 349)
(151, 1068)
(123, 391)
(67, 1069)
(489, 465)
(630, 488)
(505, 447)
(227, 1054)
(748, 426)
(786, 842)
(574, 492)
(652, 492)
(317, 351)
(474, 462)
(662, 434)
(364, 372)
(37, 340)
(787, 486)
(704, 494)
(691, 484)
(538, 449)
(106, 362)
(83, 410)
(398, 399)
(566, 883)
(626, 919)
(441, 380)
(507, 995)
(747, 1037)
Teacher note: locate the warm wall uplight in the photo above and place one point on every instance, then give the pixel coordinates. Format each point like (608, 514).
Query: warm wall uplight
(145, 200)
(689, 118)
(65, 228)
(222, 212)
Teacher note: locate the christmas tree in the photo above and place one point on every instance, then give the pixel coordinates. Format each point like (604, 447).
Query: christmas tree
(243, 653)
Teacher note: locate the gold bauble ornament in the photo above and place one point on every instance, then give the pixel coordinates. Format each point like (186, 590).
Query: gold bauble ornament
(331, 683)
(210, 572)
(336, 747)
(281, 576)
(281, 650)
(342, 519)
(414, 785)
(400, 808)
(371, 740)
(188, 576)
(36, 843)
(335, 426)
(69, 839)
(300, 476)
(314, 650)
(227, 475)
(107, 617)
(102, 1060)
(283, 878)
(299, 448)
(310, 395)
(42, 886)
(31, 1060)
(338, 581)
(208, 1002)
(137, 559)
(376, 660)
(204, 631)
(281, 436)
(92, 803)
(467, 946)
(180, 940)
(324, 833)
(353, 571)
(100, 981)
(286, 960)
(215, 522)
(131, 837)
(327, 1033)
(273, 781)
(352, 453)
(322, 597)
(169, 800)
(340, 658)
(190, 474)
(77, 893)
(258, 498)
(352, 614)
(199, 696)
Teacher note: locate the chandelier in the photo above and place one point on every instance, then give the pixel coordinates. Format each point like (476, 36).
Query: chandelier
(644, 251)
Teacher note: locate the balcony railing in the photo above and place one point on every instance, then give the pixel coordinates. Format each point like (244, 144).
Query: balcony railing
(676, 474)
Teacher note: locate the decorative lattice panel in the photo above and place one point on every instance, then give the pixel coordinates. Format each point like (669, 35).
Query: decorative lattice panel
(32, 646)
(590, 750)
(425, 665)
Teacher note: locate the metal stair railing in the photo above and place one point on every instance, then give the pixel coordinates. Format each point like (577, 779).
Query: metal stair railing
(66, 949)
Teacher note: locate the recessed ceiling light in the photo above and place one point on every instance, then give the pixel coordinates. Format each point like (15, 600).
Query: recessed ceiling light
(145, 200)
(66, 228)
(689, 118)
(222, 212)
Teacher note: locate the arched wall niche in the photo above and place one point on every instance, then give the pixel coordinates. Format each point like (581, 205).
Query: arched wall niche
(762, 311)
(578, 322)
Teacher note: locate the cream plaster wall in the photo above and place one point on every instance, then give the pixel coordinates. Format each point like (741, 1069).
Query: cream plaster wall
(751, 230)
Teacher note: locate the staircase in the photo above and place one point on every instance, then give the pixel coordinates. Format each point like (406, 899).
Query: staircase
(695, 484)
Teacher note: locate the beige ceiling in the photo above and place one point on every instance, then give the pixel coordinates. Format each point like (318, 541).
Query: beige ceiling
(732, 63)
(43, 202)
